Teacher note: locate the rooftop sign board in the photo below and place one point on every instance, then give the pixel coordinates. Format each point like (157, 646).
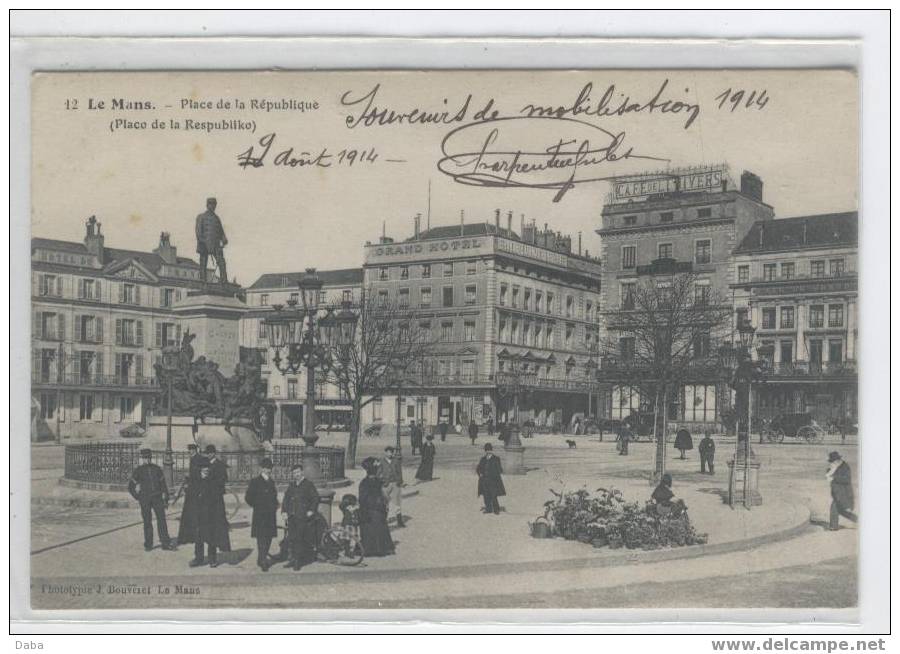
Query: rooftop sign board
(676, 180)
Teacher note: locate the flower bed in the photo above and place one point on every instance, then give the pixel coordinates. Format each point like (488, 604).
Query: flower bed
(605, 519)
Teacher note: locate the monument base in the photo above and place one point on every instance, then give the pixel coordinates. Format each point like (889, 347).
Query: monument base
(514, 460)
(234, 438)
(738, 470)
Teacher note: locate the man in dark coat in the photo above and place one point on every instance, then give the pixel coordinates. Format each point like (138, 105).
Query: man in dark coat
(299, 506)
(707, 449)
(490, 480)
(490, 426)
(414, 439)
(841, 491)
(262, 497)
(187, 528)
(473, 430)
(211, 240)
(390, 472)
(623, 438)
(442, 427)
(212, 522)
(148, 486)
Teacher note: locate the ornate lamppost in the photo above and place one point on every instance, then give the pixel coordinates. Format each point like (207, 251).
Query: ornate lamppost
(743, 469)
(170, 364)
(591, 370)
(398, 368)
(512, 384)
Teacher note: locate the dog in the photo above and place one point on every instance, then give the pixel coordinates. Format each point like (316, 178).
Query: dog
(572, 444)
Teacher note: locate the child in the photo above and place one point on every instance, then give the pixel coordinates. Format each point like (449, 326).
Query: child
(349, 507)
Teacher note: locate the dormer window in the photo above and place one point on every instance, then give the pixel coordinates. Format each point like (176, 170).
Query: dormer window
(629, 220)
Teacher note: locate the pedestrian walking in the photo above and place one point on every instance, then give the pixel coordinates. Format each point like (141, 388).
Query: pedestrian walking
(490, 426)
(212, 522)
(426, 466)
(490, 480)
(374, 533)
(262, 497)
(707, 450)
(473, 430)
(442, 428)
(413, 436)
(300, 506)
(390, 473)
(841, 491)
(187, 527)
(683, 441)
(148, 486)
(623, 437)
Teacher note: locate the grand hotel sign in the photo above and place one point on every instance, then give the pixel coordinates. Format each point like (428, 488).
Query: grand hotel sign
(446, 246)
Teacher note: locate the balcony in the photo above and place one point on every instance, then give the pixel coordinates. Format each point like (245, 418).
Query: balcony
(812, 369)
(38, 378)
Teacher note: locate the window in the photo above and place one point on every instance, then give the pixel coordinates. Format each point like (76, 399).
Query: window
(425, 327)
(626, 348)
(126, 408)
(787, 352)
(538, 299)
(503, 290)
(48, 406)
(404, 272)
(768, 318)
(426, 270)
(570, 332)
(835, 351)
(263, 355)
(469, 331)
(768, 271)
(629, 255)
(550, 342)
(526, 304)
(261, 328)
(129, 332)
(787, 317)
(292, 389)
(816, 316)
(741, 316)
(383, 274)
(448, 270)
(629, 220)
(787, 270)
(50, 285)
(89, 289)
(347, 295)
(835, 315)
(743, 274)
(700, 346)
(88, 329)
(404, 297)
(447, 296)
(382, 297)
(264, 300)
(446, 332)
(515, 297)
(470, 294)
(666, 217)
(836, 267)
(665, 250)
(815, 353)
(816, 268)
(701, 293)
(588, 311)
(700, 402)
(625, 401)
(376, 409)
(471, 267)
(167, 297)
(627, 296)
(86, 407)
(526, 333)
(321, 297)
(425, 296)
(702, 251)
(549, 302)
(570, 306)
(129, 294)
(294, 298)
(704, 212)
(514, 332)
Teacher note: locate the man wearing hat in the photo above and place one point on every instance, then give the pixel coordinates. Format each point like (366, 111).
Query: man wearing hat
(212, 523)
(390, 473)
(490, 480)
(299, 507)
(841, 490)
(262, 497)
(187, 528)
(148, 486)
(211, 240)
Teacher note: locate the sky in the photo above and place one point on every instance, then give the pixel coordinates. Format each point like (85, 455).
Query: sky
(91, 157)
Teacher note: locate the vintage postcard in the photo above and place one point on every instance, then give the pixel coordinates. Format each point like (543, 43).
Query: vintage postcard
(444, 339)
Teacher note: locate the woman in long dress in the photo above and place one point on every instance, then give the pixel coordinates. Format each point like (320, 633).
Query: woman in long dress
(426, 467)
(373, 526)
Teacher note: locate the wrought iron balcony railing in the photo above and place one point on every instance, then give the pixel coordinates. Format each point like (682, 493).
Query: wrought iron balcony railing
(39, 377)
(813, 369)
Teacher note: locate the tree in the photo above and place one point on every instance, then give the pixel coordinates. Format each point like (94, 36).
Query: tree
(383, 345)
(663, 332)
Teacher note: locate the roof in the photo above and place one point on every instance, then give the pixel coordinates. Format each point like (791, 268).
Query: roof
(472, 229)
(823, 230)
(111, 256)
(341, 277)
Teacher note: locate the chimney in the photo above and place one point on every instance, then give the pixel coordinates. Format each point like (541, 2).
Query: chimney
(579, 244)
(509, 224)
(462, 222)
(762, 233)
(497, 220)
(93, 239)
(166, 251)
(751, 186)
(417, 221)
(805, 225)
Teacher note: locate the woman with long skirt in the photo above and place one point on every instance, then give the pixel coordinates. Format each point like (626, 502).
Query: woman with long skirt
(426, 467)
(373, 526)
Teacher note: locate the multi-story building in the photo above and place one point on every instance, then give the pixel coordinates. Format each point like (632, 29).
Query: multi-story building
(492, 299)
(286, 393)
(795, 280)
(100, 317)
(664, 223)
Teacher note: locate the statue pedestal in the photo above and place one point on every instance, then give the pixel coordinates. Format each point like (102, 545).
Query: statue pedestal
(738, 469)
(213, 315)
(212, 432)
(514, 454)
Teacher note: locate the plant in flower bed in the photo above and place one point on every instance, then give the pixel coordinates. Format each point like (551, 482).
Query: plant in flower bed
(606, 519)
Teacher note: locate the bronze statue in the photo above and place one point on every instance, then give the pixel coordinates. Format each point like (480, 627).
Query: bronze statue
(211, 240)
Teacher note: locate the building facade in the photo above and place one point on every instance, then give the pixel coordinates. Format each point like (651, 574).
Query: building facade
(795, 280)
(286, 393)
(100, 317)
(497, 304)
(659, 224)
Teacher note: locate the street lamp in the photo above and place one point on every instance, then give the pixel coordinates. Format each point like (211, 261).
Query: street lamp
(512, 384)
(398, 368)
(171, 356)
(591, 369)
